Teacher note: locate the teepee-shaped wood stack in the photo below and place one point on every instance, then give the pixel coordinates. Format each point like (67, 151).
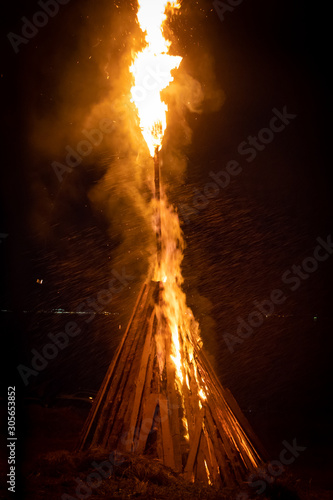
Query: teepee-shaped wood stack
(142, 408)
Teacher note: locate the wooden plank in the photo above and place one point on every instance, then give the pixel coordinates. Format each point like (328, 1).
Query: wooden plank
(189, 467)
(240, 451)
(114, 409)
(174, 400)
(168, 451)
(226, 436)
(147, 390)
(104, 418)
(212, 463)
(145, 425)
(201, 474)
(257, 445)
(228, 399)
(242, 443)
(191, 409)
(140, 384)
(99, 400)
(121, 389)
(223, 462)
(228, 427)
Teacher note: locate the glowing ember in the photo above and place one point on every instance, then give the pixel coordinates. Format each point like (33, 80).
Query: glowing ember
(152, 71)
(207, 472)
(202, 394)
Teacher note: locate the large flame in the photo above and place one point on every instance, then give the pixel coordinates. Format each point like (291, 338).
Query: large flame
(152, 69)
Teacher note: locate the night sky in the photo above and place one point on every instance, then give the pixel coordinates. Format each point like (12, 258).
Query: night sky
(263, 56)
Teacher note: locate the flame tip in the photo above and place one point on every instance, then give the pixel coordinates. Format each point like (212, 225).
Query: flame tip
(150, 80)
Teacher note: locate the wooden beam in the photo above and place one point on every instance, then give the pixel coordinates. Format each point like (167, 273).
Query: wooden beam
(146, 423)
(168, 451)
(261, 451)
(208, 449)
(140, 383)
(174, 401)
(226, 470)
(189, 467)
(201, 473)
(226, 436)
(99, 400)
(229, 401)
(124, 380)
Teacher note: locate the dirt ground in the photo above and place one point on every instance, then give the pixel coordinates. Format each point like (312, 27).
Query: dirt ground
(49, 468)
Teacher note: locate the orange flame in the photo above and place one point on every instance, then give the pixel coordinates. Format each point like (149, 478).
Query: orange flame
(152, 71)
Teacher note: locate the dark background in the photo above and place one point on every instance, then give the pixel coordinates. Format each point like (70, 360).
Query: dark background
(264, 55)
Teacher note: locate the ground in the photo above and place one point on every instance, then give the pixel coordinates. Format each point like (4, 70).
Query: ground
(51, 469)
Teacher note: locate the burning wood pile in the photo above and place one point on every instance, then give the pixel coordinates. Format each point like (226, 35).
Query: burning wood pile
(160, 396)
(197, 430)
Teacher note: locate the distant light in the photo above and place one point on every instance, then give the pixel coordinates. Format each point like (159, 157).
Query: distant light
(39, 281)
(315, 318)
